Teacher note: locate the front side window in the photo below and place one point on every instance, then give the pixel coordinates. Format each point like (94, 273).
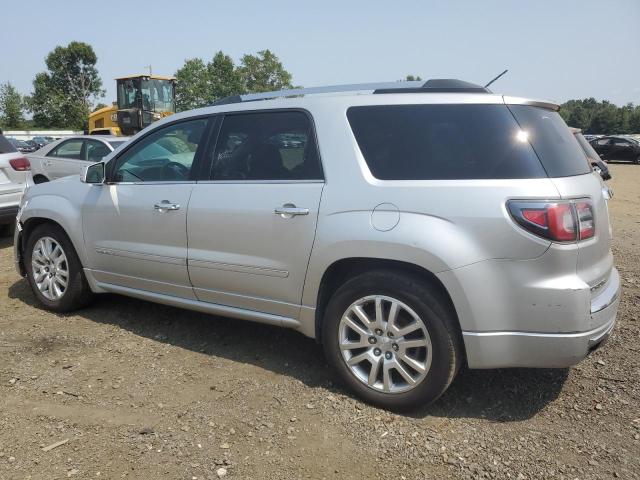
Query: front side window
(266, 146)
(603, 141)
(164, 155)
(69, 149)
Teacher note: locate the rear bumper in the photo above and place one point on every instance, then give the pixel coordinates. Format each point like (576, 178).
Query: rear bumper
(503, 349)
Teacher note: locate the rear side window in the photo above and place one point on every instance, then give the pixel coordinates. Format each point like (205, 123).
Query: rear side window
(6, 146)
(439, 142)
(273, 146)
(552, 140)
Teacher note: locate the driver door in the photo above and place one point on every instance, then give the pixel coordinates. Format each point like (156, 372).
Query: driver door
(135, 225)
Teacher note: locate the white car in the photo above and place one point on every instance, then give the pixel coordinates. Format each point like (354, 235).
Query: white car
(14, 178)
(68, 155)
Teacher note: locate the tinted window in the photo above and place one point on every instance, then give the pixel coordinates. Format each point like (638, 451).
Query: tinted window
(602, 141)
(5, 145)
(552, 140)
(68, 149)
(165, 155)
(266, 146)
(96, 150)
(434, 142)
(620, 141)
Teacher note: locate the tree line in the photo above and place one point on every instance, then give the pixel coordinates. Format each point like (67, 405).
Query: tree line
(70, 88)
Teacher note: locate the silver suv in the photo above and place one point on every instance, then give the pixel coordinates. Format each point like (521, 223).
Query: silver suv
(408, 227)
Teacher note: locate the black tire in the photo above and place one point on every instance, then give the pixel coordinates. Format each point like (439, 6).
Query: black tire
(77, 293)
(6, 229)
(637, 160)
(437, 315)
(40, 179)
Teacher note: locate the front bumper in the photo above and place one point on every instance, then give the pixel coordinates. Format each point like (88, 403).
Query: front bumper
(503, 349)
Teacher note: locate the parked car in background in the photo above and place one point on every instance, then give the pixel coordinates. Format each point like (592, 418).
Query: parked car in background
(14, 177)
(596, 163)
(68, 155)
(33, 144)
(617, 148)
(42, 141)
(21, 145)
(410, 227)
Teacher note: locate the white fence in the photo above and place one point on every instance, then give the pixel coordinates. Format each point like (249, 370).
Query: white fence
(29, 134)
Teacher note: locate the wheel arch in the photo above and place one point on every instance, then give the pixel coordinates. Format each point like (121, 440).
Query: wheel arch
(58, 211)
(345, 268)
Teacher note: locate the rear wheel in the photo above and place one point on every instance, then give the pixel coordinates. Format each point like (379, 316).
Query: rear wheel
(54, 271)
(637, 160)
(392, 339)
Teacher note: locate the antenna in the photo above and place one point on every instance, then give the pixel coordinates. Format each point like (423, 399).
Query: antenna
(150, 70)
(495, 78)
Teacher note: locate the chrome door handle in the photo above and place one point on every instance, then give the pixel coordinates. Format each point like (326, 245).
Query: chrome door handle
(166, 205)
(289, 210)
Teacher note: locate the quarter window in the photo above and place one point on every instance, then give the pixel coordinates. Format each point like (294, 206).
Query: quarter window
(266, 146)
(165, 155)
(437, 142)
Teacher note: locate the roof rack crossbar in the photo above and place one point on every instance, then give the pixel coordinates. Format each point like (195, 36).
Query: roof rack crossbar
(414, 86)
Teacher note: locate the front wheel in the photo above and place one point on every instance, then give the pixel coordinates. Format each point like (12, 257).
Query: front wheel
(54, 271)
(392, 339)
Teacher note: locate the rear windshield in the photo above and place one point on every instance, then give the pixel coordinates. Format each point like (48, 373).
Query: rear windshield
(5, 145)
(438, 142)
(115, 144)
(558, 151)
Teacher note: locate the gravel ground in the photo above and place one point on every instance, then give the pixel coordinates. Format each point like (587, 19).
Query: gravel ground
(143, 391)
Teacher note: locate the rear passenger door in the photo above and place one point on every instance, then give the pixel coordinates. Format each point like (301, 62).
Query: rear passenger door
(251, 225)
(65, 159)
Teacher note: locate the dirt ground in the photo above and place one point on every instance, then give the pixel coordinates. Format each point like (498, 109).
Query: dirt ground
(146, 391)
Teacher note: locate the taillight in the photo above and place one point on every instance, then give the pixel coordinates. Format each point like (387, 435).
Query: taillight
(586, 223)
(20, 164)
(562, 221)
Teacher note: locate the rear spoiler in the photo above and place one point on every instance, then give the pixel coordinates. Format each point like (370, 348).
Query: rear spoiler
(527, 101)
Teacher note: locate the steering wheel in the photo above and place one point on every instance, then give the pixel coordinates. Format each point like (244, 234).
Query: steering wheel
(174, 171)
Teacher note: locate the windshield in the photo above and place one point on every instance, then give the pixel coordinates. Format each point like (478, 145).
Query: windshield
(115, 144)
(158, 95)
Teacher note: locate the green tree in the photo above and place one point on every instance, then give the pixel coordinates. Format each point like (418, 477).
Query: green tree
(412, 78)
(201, 83)
(225, 78)
(192, 85)
(11, 107)
(263, 72)
(63, 96)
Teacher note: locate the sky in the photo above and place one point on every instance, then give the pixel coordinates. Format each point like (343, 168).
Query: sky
(555, 50)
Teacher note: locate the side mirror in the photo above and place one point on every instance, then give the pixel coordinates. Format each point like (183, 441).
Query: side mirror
(93, 174)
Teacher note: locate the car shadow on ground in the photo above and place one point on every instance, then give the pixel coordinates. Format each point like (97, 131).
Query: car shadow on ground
(496, 395)
(6, 242)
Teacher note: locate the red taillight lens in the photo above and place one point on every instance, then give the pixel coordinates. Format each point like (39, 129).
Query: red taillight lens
(562, 222)
(586, 224)
(20, 164)
(558, 221)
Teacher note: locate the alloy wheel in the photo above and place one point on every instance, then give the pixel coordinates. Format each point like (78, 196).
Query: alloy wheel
(385, 344)
(50, 268)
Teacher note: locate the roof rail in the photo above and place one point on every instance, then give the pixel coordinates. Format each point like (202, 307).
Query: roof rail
(414, 86)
